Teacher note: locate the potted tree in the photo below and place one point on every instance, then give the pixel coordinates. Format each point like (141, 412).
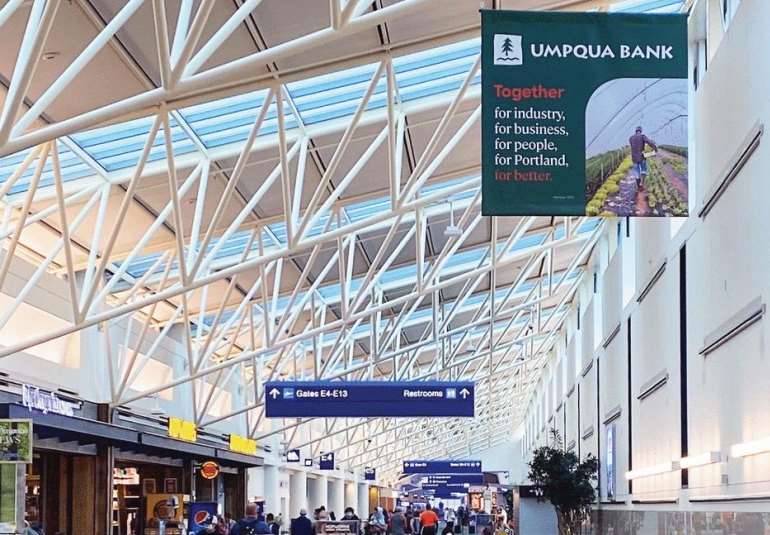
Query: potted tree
(565, 481)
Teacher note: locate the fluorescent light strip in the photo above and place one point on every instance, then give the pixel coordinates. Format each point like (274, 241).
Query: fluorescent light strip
(744, 449)
(702, 459)
(653, 470)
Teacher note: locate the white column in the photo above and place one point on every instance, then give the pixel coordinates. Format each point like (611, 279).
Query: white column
(297, 493)
(272, 491)
(337, 497)
(318, 488)
(255, 482)
(351, 495)
(363, 500)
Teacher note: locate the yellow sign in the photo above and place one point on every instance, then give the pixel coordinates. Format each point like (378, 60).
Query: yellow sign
(243, 445)
(182, 429)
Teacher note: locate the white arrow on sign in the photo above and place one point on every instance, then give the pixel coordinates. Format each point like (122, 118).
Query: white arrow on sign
(465, 393)
(274, 393)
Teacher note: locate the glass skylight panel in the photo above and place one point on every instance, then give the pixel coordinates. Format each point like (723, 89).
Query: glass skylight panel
(336, 95)
(72, 168)
(320, 224)
(233, 248)
(139, 267)
(120, 146)
(366, 209)
(396, 277)
(446, 184)
(229, 120)
(331, 81)
(462, 260)
(433, 56)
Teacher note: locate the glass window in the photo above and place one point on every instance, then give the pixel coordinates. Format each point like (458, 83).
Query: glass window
(729, 8)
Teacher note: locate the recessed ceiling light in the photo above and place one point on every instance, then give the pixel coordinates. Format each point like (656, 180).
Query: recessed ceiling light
(48, 56)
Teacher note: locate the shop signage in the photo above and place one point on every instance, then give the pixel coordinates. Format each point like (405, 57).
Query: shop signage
(562, 97)
(243, 445)
(370, 474)
(442, 467)
(182, 429)
(209, 470)
(455, 479)
(476, 501)
(292, 456)
(338, 526)
(163, 510)
(125, 476)
(203, 516)
(327, 461)
(530, 491)
(297, 399)
(34, 398)
(16, 441)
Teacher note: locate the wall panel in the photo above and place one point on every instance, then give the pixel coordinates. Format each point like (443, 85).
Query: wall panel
(656, 426)
(613, 395)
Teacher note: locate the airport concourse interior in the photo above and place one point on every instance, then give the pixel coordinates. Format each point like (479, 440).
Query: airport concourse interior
(384, 267)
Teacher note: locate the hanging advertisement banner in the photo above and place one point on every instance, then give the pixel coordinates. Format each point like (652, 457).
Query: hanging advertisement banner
(584, 114)
(16, 441)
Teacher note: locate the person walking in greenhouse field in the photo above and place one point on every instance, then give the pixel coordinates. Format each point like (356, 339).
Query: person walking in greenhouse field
(638, 142)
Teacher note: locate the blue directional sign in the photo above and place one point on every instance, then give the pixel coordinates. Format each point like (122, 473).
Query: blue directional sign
(454, 479)
(299, 399)
(442, 467)
(292, 456)
(456, 487)
(309, 463)
(370, 474)
(327, 461)
(444, 493)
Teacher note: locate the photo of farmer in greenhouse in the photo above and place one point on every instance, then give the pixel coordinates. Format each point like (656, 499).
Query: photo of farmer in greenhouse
(636, 149)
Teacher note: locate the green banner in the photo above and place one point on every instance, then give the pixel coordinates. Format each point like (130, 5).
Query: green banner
(584, 114)
(16, 441)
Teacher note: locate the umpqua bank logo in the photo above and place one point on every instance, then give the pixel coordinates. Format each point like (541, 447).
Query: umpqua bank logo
(508, 50)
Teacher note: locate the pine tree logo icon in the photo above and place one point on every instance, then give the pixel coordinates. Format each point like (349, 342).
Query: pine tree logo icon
(508, 50)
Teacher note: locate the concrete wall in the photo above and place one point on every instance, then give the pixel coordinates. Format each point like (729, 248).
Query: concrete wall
(727, 257)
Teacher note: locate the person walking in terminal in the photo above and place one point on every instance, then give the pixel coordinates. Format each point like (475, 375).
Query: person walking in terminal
(428, 521)
(377, 523)
(251, 524)
(350, 514)
(397, 522)
(638, 142)
(301, 525)
(272, 524)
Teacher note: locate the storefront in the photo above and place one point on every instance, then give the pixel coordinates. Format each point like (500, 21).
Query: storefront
(66, 483)
(91, 477)
(159, 467)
